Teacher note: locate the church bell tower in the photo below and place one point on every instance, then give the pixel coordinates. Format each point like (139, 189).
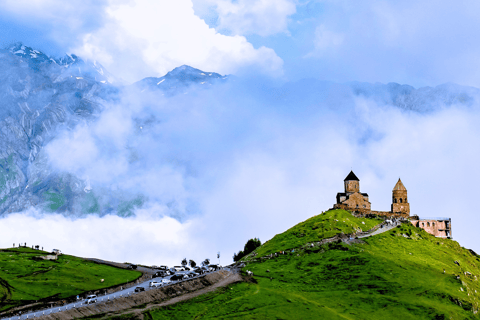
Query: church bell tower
(399, 199)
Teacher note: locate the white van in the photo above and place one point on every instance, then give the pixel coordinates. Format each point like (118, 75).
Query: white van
(166, 281)
(91, 299)
(155, 284)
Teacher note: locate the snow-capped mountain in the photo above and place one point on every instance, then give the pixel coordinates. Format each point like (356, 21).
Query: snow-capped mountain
(179, 79)
(71, 65)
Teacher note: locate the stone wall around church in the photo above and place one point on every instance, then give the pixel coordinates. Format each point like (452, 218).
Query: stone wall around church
(364, 212)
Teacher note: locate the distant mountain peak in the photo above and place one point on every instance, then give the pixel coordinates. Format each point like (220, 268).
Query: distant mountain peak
(190, 71)
(19, 49)
(180, 78)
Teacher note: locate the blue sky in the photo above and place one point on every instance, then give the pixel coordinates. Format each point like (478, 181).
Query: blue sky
(414, 42)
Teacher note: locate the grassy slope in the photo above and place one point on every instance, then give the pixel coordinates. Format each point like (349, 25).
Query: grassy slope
(325, 225)
(29, 280)
(394, 275)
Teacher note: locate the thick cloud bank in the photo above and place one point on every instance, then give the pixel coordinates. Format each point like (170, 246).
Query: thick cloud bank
(216, 167)
(145, 238)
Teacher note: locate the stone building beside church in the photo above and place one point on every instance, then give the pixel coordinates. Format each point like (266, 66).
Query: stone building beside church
(357, 202)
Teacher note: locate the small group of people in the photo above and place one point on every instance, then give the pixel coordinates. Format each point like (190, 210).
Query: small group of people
(391, 222)
(24, 245)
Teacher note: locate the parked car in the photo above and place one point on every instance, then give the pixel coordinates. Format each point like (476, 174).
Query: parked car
(163, 268)
(132, 267)
(199, 271)
(177, 277)
(139, 289)
(214, 266)
(192, 274)
(91, 299)
(155, 284)
(161, 274)
(186, 268)
(179, 268)
(166, 281)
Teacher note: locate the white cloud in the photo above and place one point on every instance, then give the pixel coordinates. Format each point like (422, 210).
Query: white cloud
(325, 40)
(149, 38)
(146, 239)
(262, 17)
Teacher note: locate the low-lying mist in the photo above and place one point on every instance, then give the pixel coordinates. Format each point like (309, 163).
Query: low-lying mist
(208, 169)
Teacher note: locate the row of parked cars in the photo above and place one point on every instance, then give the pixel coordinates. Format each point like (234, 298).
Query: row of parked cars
(176, 275)
(174, 270)
(165, 271)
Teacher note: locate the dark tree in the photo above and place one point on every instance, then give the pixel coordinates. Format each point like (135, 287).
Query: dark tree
(206, 262)
(238, 256)
(251, 245)
(192, 263)
(184, 262)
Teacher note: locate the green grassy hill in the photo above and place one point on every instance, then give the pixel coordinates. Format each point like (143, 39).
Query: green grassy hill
(323, 226)
(25, 279)
(398, 274)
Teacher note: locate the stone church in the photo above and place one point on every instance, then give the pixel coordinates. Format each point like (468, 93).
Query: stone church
(357, 202)
(352, 198)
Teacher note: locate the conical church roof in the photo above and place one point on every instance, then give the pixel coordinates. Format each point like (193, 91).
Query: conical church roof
(351, 176)
(399, 186)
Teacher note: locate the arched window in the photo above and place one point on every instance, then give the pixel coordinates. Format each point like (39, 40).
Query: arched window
(400, 200)
(423, 224)
(428, 224)
(395, 200)
(406, 200)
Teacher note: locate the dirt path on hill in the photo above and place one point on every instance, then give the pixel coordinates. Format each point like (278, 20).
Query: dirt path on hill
(386, 227)
(8, 291)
